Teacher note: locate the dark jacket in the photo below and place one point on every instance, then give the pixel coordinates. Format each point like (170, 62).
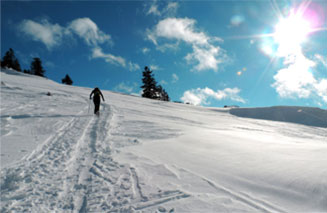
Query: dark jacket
(96, 96)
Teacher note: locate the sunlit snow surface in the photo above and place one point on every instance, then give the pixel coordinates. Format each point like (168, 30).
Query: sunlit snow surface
(143, 155)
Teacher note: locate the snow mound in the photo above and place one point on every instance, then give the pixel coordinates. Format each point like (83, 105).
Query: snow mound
(294, 114)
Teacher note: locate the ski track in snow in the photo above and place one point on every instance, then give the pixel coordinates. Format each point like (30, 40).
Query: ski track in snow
(73, 171)
(258, 205)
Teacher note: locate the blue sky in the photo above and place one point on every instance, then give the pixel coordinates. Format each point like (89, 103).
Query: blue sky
(209, 53)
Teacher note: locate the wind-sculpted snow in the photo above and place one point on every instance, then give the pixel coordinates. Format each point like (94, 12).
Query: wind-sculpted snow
(300, 115)
(143, 155)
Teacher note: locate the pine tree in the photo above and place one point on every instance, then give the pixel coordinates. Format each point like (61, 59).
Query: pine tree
(27, 71)
(7, 60)
(165, 96)
(149, 84)
(36, 67)
(16, 65)
(10, 60)
(67, 80)
(162, 94)
(150, 88)
(159, 92)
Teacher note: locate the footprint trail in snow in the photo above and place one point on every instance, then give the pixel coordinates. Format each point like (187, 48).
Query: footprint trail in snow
(74, 171)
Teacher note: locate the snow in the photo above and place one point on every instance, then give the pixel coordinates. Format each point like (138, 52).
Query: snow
(301, 115)
(144, 155)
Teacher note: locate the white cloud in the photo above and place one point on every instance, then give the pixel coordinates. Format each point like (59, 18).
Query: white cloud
(180, 29)
(299, 78)
(89, 31)
(49, 34)
(298, 81)
(206, 58)
(171, 8)
(125, 87)
(112, 59)
(321, 59)
(295, 80)
(321, 89)
(116, 60)
(166, 10)
(154, 67)
(205, 54)
(175, 78)
(192, 98)
(128, 88)
(200, 96)
(52, 34)
(154, 9)
(168, 46)
(133, 66)
(145, 50)
(163, 82)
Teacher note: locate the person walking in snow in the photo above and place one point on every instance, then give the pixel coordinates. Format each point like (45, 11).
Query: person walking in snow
(96, 99)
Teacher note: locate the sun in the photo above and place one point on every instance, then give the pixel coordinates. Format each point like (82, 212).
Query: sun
(291, 32)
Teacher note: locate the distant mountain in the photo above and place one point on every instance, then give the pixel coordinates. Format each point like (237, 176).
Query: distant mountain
(294, 114)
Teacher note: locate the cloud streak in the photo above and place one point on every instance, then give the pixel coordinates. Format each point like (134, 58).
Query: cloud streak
(169, 9)
(52, 35)
(200, 96)
(206, 55)
(49, 34)
(145, 50)
(175, 78)
(125, 87)
(115, 60)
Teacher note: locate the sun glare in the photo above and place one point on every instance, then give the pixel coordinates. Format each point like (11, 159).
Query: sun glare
(291, 32)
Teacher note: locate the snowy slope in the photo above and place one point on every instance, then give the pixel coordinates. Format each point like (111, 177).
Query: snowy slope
(146, 155)
(300, 115)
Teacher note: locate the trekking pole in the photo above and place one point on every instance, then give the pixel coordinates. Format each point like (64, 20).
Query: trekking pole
(88, 110)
